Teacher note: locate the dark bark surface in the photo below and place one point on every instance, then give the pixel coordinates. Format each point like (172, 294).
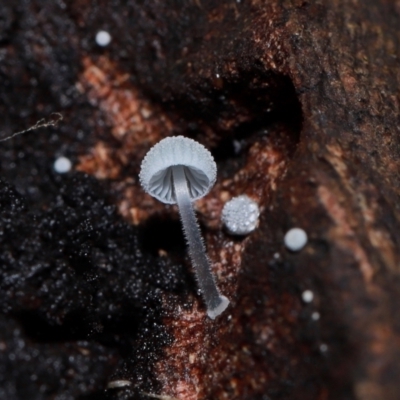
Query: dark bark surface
(298, 101)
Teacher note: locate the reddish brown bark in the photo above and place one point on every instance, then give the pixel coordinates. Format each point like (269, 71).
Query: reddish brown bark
(300, 103)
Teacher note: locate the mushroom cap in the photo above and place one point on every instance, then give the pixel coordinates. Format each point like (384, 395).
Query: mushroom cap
(156, 172)
(240, 215)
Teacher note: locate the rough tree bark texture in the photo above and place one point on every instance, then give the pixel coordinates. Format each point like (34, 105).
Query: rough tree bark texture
(298, 101)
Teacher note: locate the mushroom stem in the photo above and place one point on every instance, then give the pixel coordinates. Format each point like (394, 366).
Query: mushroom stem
(215, 302)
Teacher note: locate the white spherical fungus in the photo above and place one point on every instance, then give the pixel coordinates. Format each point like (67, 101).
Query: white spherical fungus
(323, 348)
(240, 215)
(103, 38)
(62, 165)
(295, 239)
(315, 316)
(307, 296)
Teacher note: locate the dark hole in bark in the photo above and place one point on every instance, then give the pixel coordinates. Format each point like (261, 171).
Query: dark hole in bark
(240, 106)
(162, 233)
(115, 332)
(39, 330)
(241, 111)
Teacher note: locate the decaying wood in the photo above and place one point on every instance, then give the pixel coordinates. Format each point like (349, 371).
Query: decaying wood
(300, 104)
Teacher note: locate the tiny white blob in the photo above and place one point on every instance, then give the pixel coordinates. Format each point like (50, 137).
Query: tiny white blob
(159, 396)
(240, 215)
(307, 296)
(323, 348)
(118, 384)
(237, 146)
(103, 38)
(295, 239)
(315, 316)
(62, 165)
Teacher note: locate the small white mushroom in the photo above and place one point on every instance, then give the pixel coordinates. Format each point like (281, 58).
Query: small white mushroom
(180, 170)
(295, 239)
(240, 215)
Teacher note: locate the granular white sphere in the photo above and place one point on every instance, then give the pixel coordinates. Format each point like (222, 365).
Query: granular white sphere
(103, 38)
(62, 165)
(295, 239)
(240, 215)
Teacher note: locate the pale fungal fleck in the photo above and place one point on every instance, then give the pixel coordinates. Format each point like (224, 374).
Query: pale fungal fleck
(146, 113)
(103, 38)
(240, 215)
(315, 316)
(295, 239)
(237, 146)
(323, 348)
(179, 170)
(307, 296)
(120, 383)
(159, 396)
(62, 165)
